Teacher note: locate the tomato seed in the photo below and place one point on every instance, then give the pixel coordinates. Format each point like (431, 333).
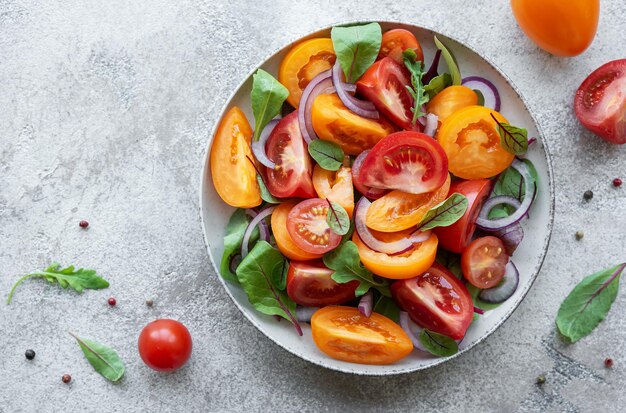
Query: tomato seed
(83, 224)
(66, 378)
(608, 362)
(30, 354)
(112, 301)
(617, 182)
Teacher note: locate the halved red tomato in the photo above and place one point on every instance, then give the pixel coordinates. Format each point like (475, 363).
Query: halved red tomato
(458, 235)
(309, 229)
(483, 262)
(310, 284)
(436, 300)
(384, 84)
(292, 175)
(396, 41)
(409, 161)
(600, 102)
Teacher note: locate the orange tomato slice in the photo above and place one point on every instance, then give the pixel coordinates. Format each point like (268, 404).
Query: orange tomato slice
(283, 240)
(335, 186)
(451, 99)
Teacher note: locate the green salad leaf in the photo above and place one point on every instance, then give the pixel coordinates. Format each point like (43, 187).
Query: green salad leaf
(356, 48)
(453, 66)
(451, 261)
(416, 68)
(327, 154)
(480, 96)
(483, 305)
(337, 218)
(438, 344)
(387, 307)
(511, 183)
(235, 231)
(445, 213)
(267, 98)
(266, 195)
(512, 138)
(437, 84)
(102, 358)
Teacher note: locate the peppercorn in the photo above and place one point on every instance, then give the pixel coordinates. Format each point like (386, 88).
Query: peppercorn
(579, 235)
(66, 378)
(608, 362)
(588, 195)
(541, 379)
(30, 354)
(112, 301)
(617, 182)
(83, 224)
(149, 302)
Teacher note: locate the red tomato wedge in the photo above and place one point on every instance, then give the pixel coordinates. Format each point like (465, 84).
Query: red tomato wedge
(483, 262)
(310, 284)
(309, 229)
(396, 41)
(409, 161)
(436, 300)
(292, 175)
(600, 102)
(384, 84)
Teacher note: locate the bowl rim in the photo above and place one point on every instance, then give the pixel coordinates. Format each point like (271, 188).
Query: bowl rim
(546, 243)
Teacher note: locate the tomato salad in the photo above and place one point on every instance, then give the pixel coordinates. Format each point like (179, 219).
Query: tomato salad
(378, 201)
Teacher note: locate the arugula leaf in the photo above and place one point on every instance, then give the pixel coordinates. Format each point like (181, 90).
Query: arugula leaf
(267, 98)
(356, 48)
(445, 213)
(327, 154)
(103, 359)
(455, 73)
(416, 90)
(588, 303)
(266, 195)
(345, 261)
(451, 261)
(437, 84)
(438, 344)
(511, 183)
(261, 274)
(387, 307)
(337, 218)
(235, 230)
(79, 280)
(512, 138)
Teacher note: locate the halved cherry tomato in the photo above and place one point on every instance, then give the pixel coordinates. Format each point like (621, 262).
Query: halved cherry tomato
(234, 177)
(292, 175)
(384, 84)
(345, 334)
(409, 161)
(600, 102)
(436, 300)
(457, 236)
(407, 265)
(483, 262)
(396, 41)
(471, 140)
(563, 28)
(335, 186)
(451, 99)
(303, 62)
(399, 210)
(283, 240)
(308, 227)
(334, 122)
(310, 284)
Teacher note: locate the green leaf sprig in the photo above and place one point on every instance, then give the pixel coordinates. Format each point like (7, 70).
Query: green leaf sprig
(79, 280)
(356, 48)
(445, 213)
(438, 344)
(337, 218)
(102, 358)
(233, 239)
(416, 90)
(327, 154)
(266, 195)
(453, 66)
(512, 138)
(267, 98)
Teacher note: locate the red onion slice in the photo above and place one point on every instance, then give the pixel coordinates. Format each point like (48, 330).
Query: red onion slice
(505, 289)
(366, 304)
(432, 122)
(479, 310)
(258, 147)
(318, 85)
(304, 314)
(255, 221)
(370, 193)
(360, 107)
(488, 89)
(413, 333)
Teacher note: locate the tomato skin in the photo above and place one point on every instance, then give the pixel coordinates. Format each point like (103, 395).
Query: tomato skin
(307, 225)
(384, 84)
(456, 237)
(450, 312)
(345, 334)
(335, 186)
(310, 284)
(483, 262)
(303, 62)
(165, 345)
(563, 28)
(451, 99)
(396, 41)
(600, 102)
(332, 121)
(234, 177)
(286, 147)
(285, 244)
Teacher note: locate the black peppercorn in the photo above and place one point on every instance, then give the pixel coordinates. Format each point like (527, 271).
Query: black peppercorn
(30, 354)
(588, 195)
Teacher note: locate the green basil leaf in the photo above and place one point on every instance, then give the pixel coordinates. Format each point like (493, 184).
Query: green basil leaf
(327, 154)
(512, 138)
(451, 261)
(453, 66)
(416, 68)
(588, 303)
(387, 307)
(337, 218)
(438, 344)
(103, 359)
(235, 230)
(267, 98)
(446, 213)
(480, 96)
(437, 84)
(266, 195)
(345, 261)
(356, 48)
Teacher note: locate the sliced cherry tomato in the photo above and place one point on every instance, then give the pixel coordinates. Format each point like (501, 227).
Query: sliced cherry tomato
(457, 236)
(600, 102)
(234, 177)
(396, 41)
(334, 122)
(409, 161)
(165, 345)
(308, 227)
(283, 240)
(335, 186)
(407, 265)
(384, 84)
(483, 262)
(451, 99)
(303, 62)
(563, 28)
(471, 140)
(292, 175)
(436, 300)
(345, 334)
(399, 210)
(310, 284)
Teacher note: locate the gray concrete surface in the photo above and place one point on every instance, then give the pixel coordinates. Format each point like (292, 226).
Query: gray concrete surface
(105, 107)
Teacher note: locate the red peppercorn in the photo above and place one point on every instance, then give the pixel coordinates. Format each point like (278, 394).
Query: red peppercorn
(608, 362)
(617, 182)
(66, 378)
(112, 301)
(83, 224)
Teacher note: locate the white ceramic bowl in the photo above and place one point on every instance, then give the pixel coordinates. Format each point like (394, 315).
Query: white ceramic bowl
(528, 258)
